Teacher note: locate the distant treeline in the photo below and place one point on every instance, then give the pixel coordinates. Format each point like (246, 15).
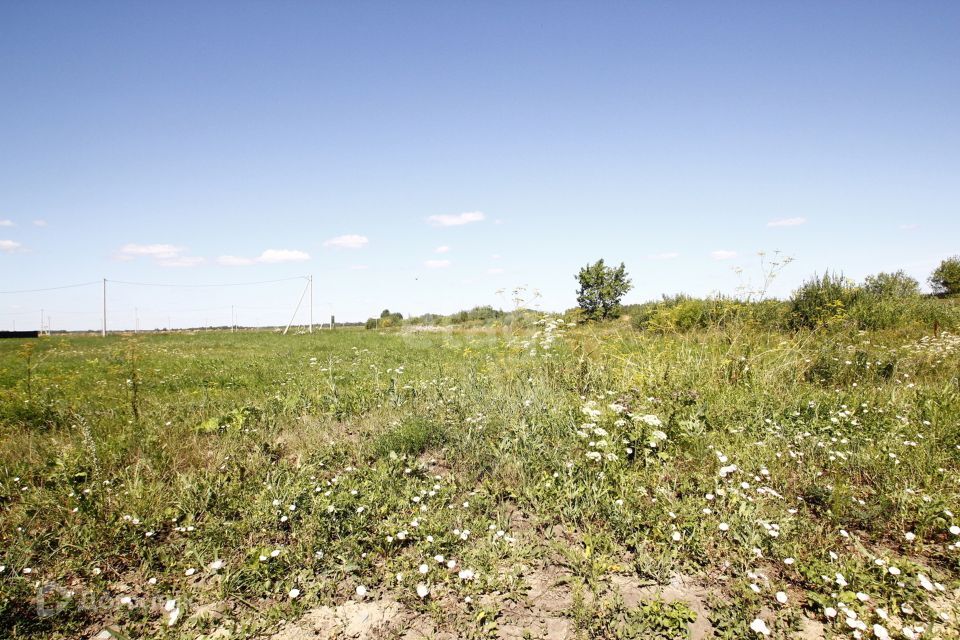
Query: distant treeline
(482, 315)
(882, 301)
(828, 301)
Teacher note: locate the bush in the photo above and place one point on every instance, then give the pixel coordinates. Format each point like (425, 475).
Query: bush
(683, 313)
(822, 301)
(891, 285)
(385, 321)
(411, 437)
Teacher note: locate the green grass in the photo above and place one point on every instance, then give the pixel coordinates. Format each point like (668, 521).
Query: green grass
(359, 455)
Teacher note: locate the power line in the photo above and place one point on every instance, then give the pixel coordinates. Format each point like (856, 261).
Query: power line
(32, 311)
(66, 286)
(222, 284)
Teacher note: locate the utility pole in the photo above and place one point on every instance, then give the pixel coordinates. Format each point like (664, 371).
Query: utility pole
(233, 320)
(41, 321)
(103, 332)
(311, 303)
(299, 302)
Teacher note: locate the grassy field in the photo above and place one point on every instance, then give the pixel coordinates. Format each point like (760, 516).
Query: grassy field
(591, 482)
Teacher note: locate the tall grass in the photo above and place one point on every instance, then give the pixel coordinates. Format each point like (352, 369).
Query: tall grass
(303, 462)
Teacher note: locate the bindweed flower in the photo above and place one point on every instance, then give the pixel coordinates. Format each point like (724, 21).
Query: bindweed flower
(171, 608)
(760, 627)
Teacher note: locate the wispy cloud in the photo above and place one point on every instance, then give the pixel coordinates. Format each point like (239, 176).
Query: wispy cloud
(182, 261)
(437, 264)
(234, 261)
(165, 255)
(666, 255)
(909, 227)
(270, 256)
(39, 223)
(359, 267)
(443, 249)
(158, 251)
(723, 254)
(495, 271)
(9, 246)
(7, 223)
(787, 222)
(451, 220)
(351, 241)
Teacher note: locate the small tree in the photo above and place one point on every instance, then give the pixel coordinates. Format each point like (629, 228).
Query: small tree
(601, 289)
(891, 285)
(945, 279)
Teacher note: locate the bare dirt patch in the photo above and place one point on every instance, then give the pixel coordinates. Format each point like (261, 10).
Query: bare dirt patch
(680, 589)
(358, 620)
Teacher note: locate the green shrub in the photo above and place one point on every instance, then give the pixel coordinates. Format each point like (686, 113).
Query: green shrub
(822, 301)
(891, 285)
(683, 313)
(411, 437)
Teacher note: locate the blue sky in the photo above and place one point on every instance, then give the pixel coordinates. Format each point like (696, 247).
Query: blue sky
(211, 142)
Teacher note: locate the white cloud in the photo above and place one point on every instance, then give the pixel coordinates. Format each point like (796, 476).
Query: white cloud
(6, 223)
(165, 255)
(495, 271)
(359, 267)
(234, 261)
(722, 254)
(909, 227)
(9, 246)
(787, 222)
(495, 256)
(449, 220)
(182, 261)
(158, 251)
(437, 264)
(271, 256)
(443, 249)
(666, 255)
(39, 223)
(351, 241)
